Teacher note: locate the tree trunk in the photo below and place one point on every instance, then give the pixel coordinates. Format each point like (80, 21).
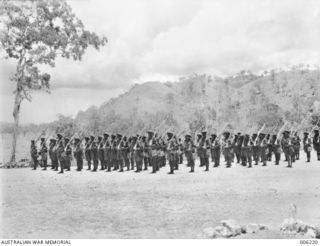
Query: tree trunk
(16, 113)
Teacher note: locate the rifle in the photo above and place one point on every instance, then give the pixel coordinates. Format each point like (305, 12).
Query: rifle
(261, 129)
(280, 130)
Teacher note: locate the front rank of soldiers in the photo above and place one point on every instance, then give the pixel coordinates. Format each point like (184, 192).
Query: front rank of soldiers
(152, 151)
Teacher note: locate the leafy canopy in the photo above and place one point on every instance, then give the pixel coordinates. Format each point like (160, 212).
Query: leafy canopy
(35, 33)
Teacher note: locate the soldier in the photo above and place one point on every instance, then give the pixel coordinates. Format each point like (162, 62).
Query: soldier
(276, 148)
(255, 148)
(204, 150)
(67, 154)
(216, 150)
(131, 151)
(180, 151)
(238, 140)
(100, 152)
(296, 145)
(120, 146)
(125, 153)
(145, 152)
(316, 143)
(78, 154)
(307, 146)
(53, 154)
(171, 152)
(44, 153)
(113, 153)
(34, 154)
(106, 152)
(199, 149)
(94, 153)
(60, 151)
(189, 151)
(246, 151)
(87, 151)
(287, 147)
(263, 149)
(137, 153)
(227, 149)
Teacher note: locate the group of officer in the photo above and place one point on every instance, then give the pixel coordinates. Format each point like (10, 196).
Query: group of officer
(141, 152)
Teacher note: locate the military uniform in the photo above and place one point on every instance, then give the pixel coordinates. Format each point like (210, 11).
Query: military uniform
(106, 152)
(316, 143)
(60, 151)
(171, 152)
(101, 153)
(94, 153)
(307, 146)
(44, 154)
(53, 154)
(34, 154)
(87, 152)
(189, 152)
(204, 150)
(78, 154)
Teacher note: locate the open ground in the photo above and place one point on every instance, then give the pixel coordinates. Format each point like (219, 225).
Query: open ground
(44, 204)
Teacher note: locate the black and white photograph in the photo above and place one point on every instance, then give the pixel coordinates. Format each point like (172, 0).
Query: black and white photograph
(159, 119)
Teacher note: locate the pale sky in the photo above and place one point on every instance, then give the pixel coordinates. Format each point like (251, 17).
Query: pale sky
(165, 39)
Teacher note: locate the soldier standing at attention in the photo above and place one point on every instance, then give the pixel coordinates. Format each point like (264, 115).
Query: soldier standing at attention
(67, 154)
(307, 146)
(238, 145)
(120, 147)
(189, 151)
(94, 153)
(145, 152)
(100, 152)
(106, 152)
(125, 153)
(78, 154)
(60, 151)
(199, 149)
(255, 148)
(204, 149)
(44, 153)
(227, 149)
(34, 154)
(296, 147)
(171, 152)
(87, 151)
(53, 154)
(131, 151)
(316, 143)
(138, 153)
(276, 146)
(264, 149)
(113, 153)
(216, 151)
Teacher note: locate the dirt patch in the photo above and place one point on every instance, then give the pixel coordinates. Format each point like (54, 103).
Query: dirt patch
(43, 204)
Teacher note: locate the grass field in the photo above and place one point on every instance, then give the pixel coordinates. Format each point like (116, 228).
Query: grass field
(44, 204)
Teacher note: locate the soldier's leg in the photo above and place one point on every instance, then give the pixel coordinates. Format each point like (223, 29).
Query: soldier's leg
(308, 156)
(154, 164)
(318, 155)
(145, 161)
(207, 163)
(44, 164)
(120, 161)
(127, 163)
(61, 165)
(172, 166)
(192, 164)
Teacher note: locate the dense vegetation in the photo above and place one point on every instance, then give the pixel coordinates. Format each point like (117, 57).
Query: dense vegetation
(201, 102)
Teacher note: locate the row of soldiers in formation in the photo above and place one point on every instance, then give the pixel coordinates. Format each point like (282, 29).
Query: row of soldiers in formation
(117, 152)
